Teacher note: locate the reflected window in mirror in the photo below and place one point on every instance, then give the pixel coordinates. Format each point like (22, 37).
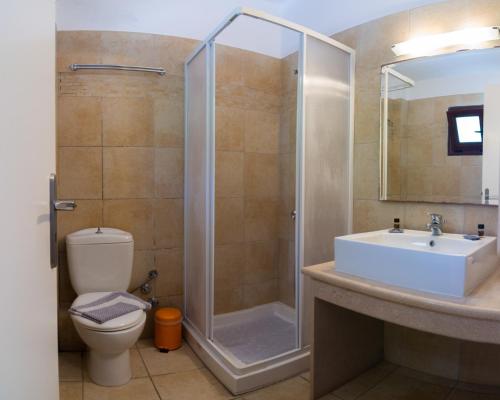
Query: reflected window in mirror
(465, 130)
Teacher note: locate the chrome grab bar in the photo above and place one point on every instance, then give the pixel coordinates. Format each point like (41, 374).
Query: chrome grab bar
(136, 68)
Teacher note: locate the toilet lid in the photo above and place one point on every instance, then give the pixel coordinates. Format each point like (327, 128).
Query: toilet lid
(116, 324)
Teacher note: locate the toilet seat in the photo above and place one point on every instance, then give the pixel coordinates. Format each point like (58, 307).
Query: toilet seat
(116, 324)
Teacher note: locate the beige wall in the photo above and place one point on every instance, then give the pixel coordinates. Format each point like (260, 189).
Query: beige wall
(249, 107)
(120, 154)
(419, 168)
(372, 41)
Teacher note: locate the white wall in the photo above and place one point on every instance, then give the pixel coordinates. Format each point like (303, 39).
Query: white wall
(197, 18)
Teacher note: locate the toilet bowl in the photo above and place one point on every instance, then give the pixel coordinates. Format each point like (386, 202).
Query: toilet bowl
(108, 359)
(100, 262)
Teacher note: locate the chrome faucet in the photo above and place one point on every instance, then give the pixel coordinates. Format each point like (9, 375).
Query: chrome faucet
(436, 225)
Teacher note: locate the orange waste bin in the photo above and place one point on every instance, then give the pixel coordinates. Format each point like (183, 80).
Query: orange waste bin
(168, 329)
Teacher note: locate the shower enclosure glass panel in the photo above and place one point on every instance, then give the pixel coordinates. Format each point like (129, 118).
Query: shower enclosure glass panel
(196, 244)
(327, 148)
(254, 261)
(269, 108)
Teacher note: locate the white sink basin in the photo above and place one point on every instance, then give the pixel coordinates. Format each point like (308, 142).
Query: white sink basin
(447, 264)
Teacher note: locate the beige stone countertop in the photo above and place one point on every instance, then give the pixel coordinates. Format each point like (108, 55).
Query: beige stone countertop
(482, 303)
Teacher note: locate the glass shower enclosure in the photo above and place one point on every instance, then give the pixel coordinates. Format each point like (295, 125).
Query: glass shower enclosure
(268, 185)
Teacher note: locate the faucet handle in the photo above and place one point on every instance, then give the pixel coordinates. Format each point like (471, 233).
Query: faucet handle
(436, 218)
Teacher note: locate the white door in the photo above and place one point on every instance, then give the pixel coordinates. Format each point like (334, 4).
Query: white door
(28, 293)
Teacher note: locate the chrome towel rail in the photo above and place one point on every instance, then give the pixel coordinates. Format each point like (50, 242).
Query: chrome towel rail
(76, 67)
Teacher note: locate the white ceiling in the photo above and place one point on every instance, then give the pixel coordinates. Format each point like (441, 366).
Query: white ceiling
(197, 18)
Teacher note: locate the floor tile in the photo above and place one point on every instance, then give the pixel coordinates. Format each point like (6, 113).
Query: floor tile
(70, 390)
(144, 343)
(365, 381)
(472, 387)
(422, 376)
(179, 360)
(459, 394)
(196, 384)
(70, 366)
(137, 365)
(136, 389)
(399, 386)
(291, 389)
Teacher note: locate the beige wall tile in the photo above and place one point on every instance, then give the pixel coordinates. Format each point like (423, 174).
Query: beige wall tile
(474, 215)
(479, 363)
(134, 216)
(260, 293)
(79, 121)
(127, 121)
(77, 47)
(261, 175)
(169, 172)
(143, 263)
(261, 261)
(229, 300)
(261, 219)
(230, 128)
(168, 220)
(129, 49)
(229, 266)
(437, 355)
(65, 290)
(229, 221)
(229, 65)
(228, 174)
(128, 172)
(261, 132)
(173, 51)
(366, 183)
(370, 215)
(367, 124)
(417, 216)
(168, 122)
(79, 172)
(169, 264)
(437, 18)
(261, 72)
(87, 214)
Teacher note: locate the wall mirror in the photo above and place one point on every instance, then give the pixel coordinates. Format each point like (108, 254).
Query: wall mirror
(440, 128)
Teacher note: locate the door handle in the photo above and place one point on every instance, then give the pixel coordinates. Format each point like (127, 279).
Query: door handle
(54, 206)
(64, 205)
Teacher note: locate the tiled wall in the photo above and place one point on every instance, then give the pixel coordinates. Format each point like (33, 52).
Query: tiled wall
(372, 41)
(120, 154)
(250, 113)
(419, 167)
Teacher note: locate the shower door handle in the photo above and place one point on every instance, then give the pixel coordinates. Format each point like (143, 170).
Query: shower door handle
(54, 206)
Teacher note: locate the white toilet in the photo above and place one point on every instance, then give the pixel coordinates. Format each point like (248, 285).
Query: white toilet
(100, 261)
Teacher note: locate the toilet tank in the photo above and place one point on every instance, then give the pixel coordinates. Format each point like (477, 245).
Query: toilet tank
(100, 259)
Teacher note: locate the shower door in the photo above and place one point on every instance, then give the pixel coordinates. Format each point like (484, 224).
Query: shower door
(254, 274)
